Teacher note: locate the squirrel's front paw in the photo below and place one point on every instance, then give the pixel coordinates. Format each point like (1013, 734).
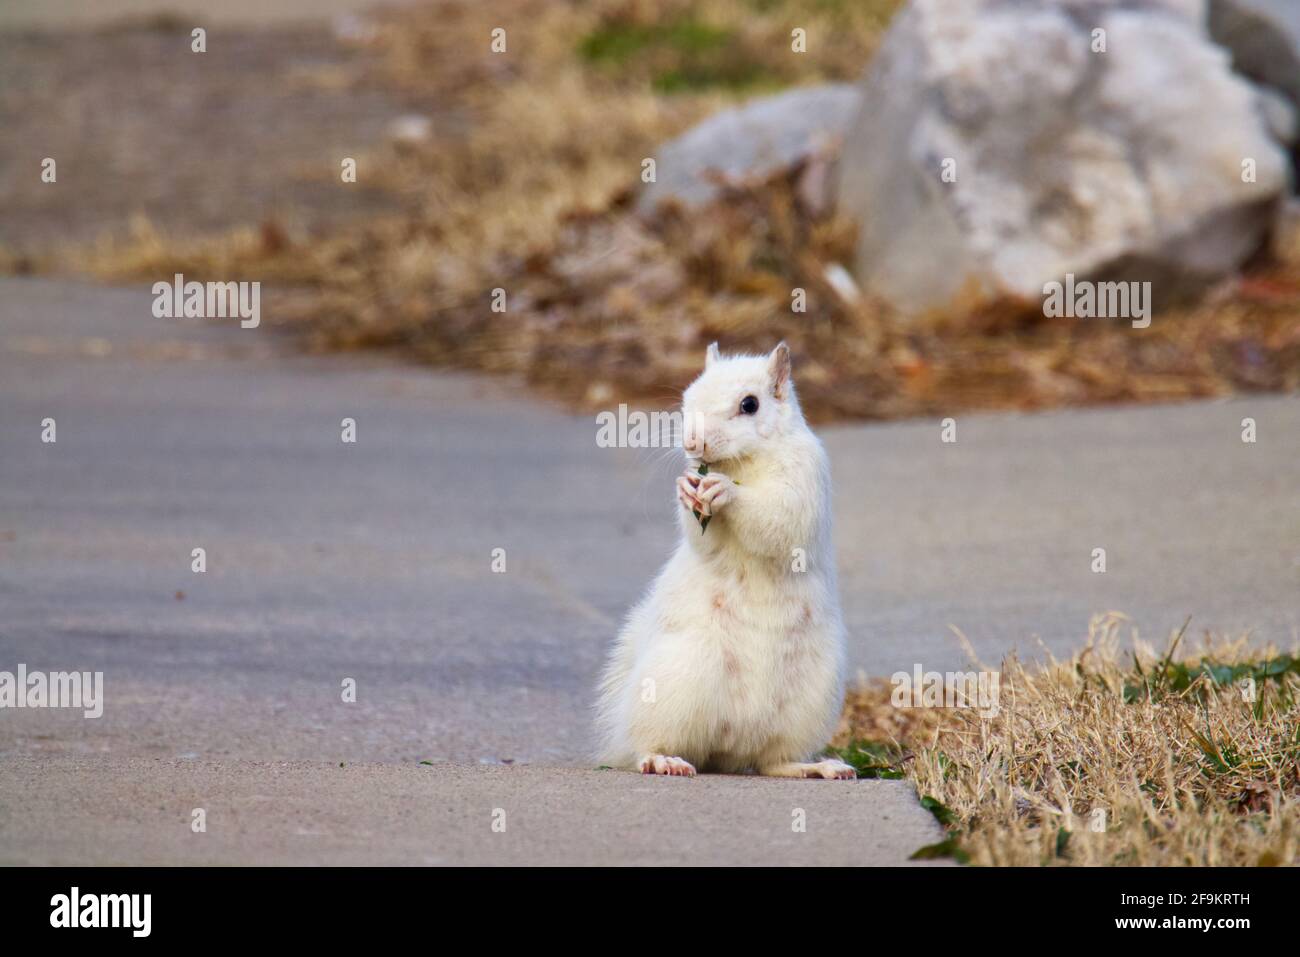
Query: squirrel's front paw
(714, 491)
(686, 494)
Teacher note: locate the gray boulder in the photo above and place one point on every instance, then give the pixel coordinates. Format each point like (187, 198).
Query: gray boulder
(757, 139)
(1281, 118)
(1264, 37)
(1061, 158)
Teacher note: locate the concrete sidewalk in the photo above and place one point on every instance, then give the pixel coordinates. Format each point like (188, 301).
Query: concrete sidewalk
(107, 810)
(328, 561)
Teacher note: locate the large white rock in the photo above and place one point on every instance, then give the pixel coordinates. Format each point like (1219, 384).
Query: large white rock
(1124, 163)
(761, 137)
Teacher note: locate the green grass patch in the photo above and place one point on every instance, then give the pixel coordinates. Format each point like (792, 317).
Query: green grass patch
(678, 56)
(619, 43)
(872, 759)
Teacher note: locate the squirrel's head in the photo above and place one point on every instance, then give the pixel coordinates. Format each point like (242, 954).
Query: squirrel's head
(738, 404)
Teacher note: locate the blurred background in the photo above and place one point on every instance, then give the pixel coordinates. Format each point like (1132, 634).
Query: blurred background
(886, 186)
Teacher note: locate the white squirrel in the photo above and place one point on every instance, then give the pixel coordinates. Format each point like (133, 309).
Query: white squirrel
(734, 660)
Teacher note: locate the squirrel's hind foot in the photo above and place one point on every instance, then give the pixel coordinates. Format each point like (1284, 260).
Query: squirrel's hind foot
(830, 769)
(663, 764)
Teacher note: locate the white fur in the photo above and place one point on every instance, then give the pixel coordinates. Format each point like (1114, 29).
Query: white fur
(734, 660)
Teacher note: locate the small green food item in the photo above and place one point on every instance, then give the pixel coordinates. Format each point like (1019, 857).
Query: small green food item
(702, 519)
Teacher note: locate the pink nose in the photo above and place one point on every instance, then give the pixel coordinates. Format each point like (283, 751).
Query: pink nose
(693, 446)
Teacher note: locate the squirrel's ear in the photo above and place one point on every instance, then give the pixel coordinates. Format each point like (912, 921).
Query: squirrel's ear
(712, 355)
(778, 370)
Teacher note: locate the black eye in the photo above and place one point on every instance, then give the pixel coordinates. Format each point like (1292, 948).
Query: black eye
(749, 405)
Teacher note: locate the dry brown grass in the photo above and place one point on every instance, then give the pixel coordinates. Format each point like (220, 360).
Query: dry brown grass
(1186, 770)
(529, 191)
